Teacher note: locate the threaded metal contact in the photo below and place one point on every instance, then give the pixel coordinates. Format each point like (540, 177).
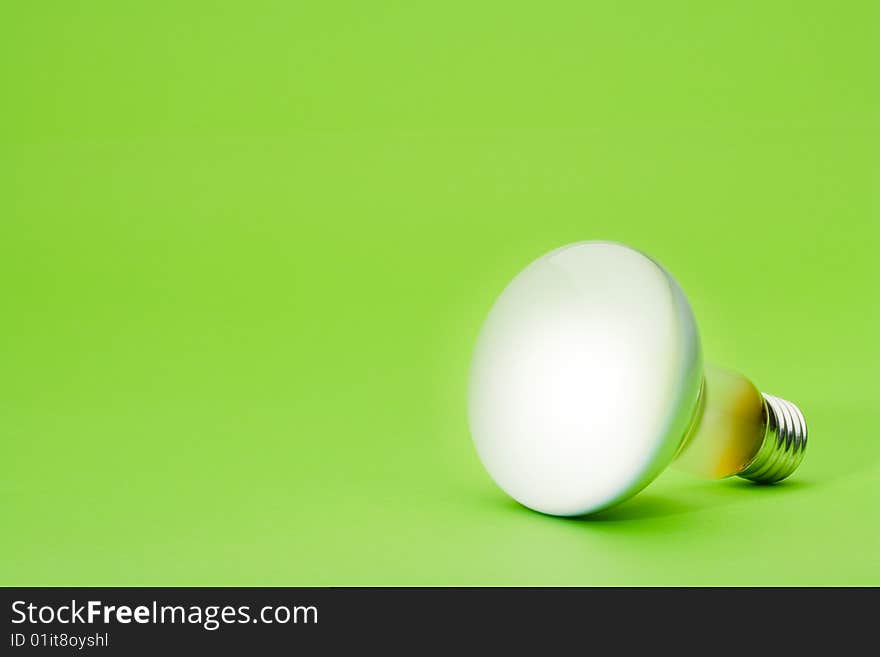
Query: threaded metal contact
(784, 444)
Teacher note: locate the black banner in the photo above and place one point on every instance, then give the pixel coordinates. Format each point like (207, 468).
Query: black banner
(126, 621)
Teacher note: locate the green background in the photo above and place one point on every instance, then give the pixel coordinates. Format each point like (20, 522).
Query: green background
(246, 247)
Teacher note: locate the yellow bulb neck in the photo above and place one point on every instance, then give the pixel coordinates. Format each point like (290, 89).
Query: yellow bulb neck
(739, 431)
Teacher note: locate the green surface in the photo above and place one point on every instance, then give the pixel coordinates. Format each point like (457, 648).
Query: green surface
(246, 247)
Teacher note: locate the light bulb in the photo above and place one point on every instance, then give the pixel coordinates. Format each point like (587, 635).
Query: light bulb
(587, 381)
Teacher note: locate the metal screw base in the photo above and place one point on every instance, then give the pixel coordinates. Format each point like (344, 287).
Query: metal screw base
(785, 441)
